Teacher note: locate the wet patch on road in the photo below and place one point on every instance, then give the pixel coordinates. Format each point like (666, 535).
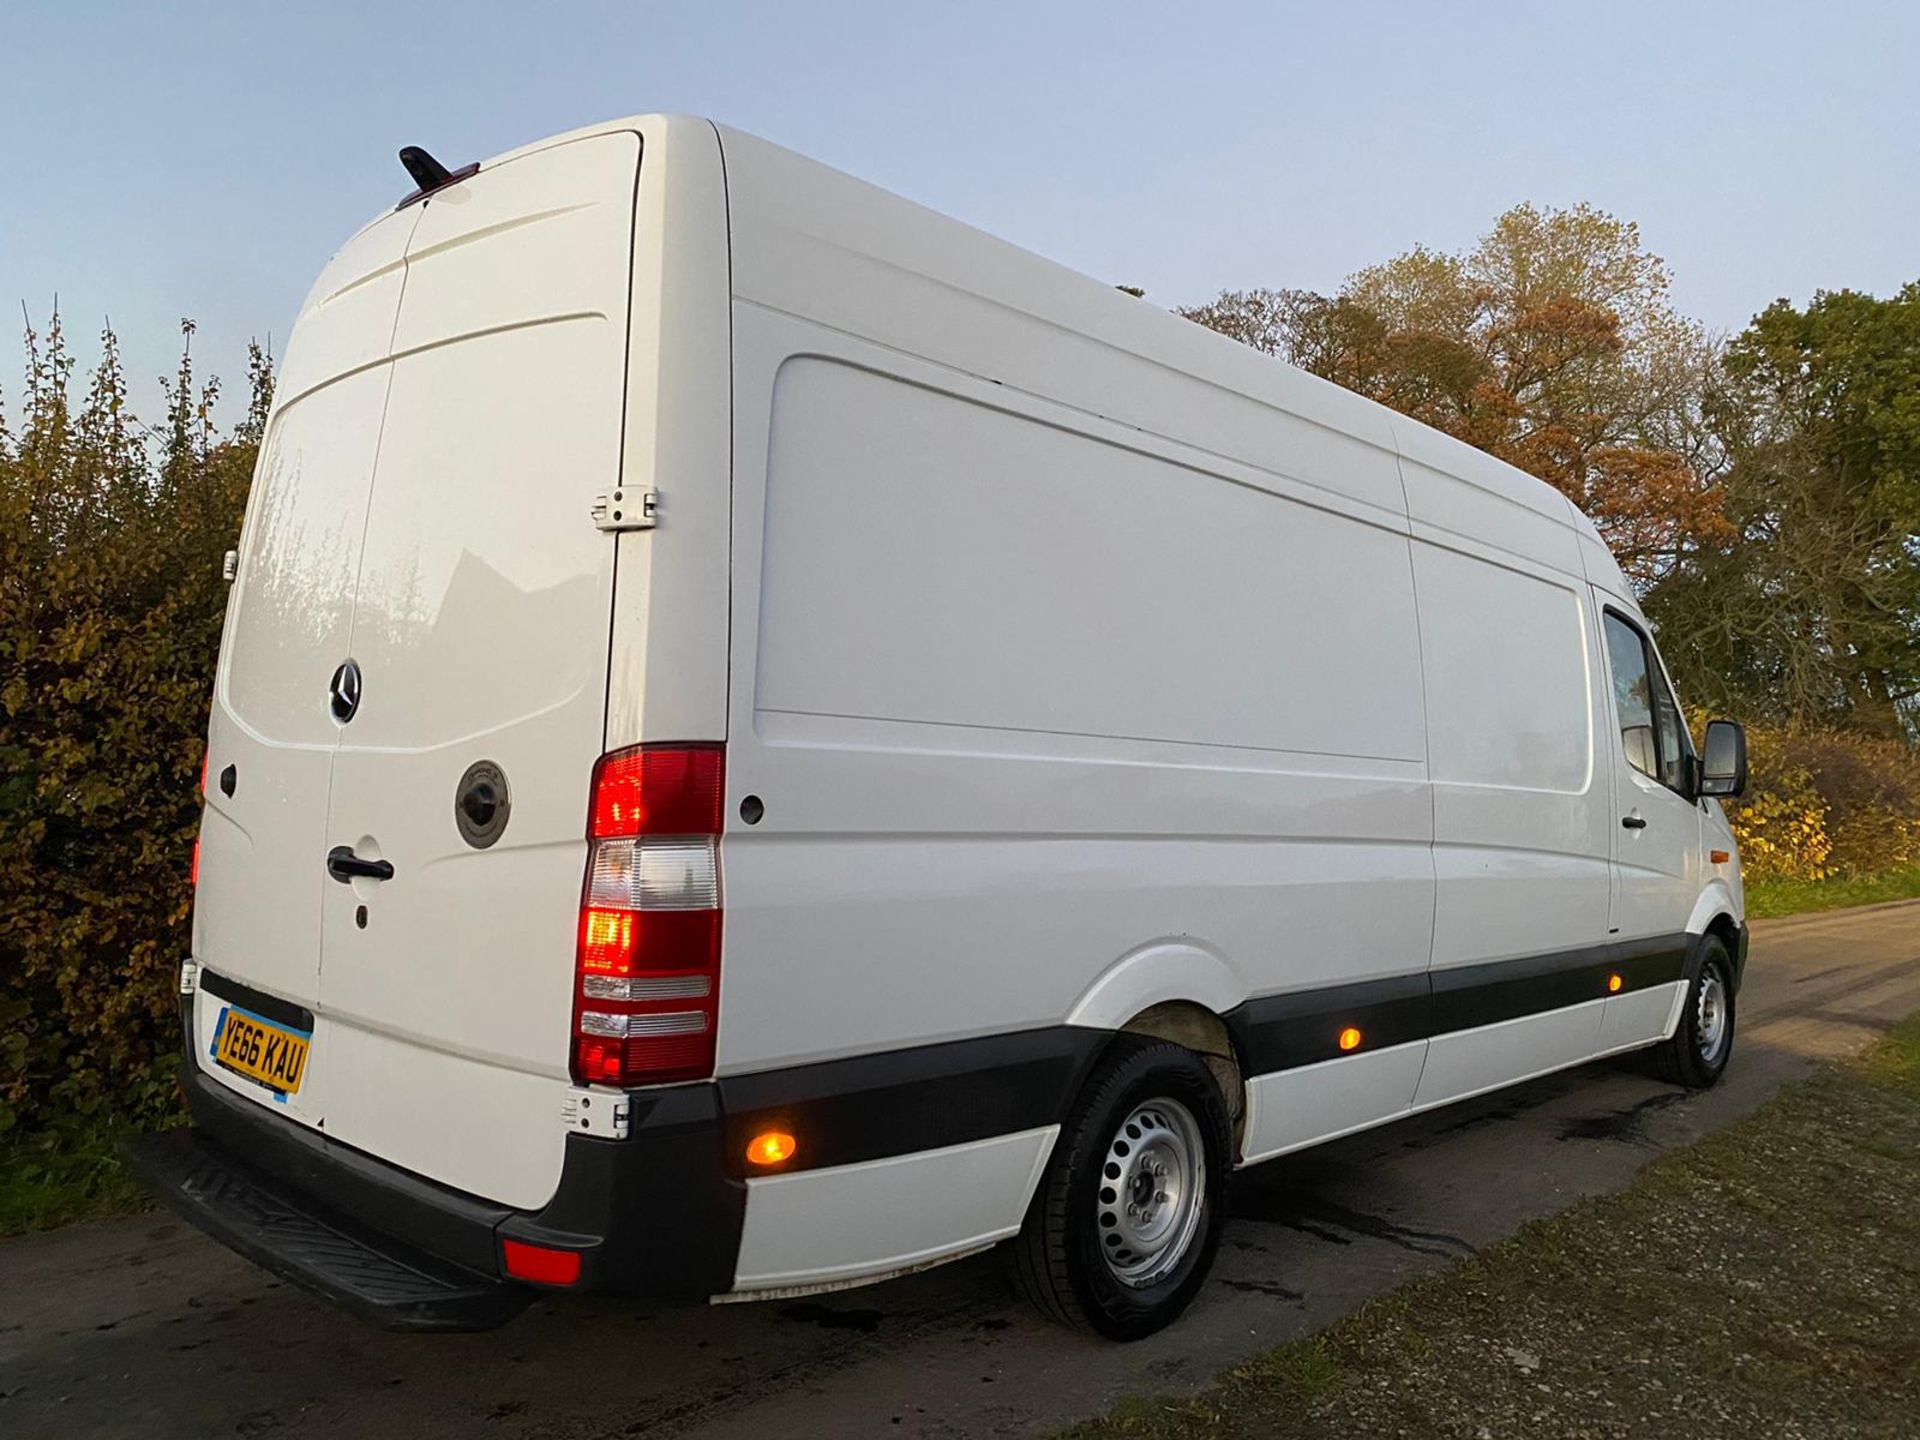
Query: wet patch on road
(1628, 1126)
(1314, 1215)
(827, 1318)
(1263, 1287)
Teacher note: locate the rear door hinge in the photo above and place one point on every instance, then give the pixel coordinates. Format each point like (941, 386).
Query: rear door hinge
(626, 509)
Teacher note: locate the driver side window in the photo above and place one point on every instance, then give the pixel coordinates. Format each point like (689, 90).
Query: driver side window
(1651, 734)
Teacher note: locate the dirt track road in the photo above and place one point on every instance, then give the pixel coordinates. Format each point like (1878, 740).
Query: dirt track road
(141, 1327)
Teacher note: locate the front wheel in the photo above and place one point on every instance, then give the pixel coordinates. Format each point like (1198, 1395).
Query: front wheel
(1123, 1227)
(1697, 1053)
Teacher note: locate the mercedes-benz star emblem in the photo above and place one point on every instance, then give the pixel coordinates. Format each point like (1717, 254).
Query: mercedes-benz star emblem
(343, 693)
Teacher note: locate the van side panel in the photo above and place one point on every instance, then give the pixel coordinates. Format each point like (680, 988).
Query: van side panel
(1105, 806)
(1291, 1109)
(933, 560)
(1019, 611)
(822, 246)
(1520, 838)
(848, 1222)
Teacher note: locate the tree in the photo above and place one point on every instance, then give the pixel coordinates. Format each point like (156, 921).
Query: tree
(1811, 609)
(1552, 343)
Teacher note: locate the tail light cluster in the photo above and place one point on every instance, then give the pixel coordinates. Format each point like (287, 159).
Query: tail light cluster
(193, 867)
(647, 983)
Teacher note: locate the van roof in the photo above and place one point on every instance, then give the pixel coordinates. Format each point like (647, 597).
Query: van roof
(955, 253)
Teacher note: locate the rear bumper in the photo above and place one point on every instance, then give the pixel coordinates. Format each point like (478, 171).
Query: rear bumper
(660, 1213)
(376, 1277)
(654, 1214)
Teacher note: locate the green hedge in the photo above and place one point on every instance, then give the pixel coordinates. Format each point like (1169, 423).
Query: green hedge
(111, 535)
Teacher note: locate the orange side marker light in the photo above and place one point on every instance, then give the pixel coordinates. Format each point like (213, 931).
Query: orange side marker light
(1719, 857)
(1613, 984)
(1349, 1039)
(770, 1147)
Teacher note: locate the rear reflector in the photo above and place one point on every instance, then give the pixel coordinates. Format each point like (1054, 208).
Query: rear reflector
(647, 974)
(539, 1264)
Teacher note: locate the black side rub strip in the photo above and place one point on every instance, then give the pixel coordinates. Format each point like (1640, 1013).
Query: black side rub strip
(924, 1097)
(1277, 1032)
(1284, 1032)
(867, 1107)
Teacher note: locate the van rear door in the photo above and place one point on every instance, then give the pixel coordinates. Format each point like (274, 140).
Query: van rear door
(257, 906)
(480, 630)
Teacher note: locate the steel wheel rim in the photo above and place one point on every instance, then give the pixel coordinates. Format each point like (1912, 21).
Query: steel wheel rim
(1710, 1016)
(1151, 1192)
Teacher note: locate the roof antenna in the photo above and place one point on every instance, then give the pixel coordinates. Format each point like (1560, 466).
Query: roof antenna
(429, 174)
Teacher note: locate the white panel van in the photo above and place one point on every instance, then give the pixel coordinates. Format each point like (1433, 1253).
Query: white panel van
(766, 739)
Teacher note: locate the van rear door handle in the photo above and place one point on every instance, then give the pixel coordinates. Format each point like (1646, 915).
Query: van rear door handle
(343, 865)
(1632, 822)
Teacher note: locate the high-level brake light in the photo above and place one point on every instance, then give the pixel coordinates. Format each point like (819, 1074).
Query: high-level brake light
(647, 981)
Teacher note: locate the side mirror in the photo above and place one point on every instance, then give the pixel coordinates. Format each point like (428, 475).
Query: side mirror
(1723, 768)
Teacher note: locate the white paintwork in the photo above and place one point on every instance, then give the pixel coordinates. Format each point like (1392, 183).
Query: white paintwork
(1723, 894)
(1083, 659)
(422, 514)
(818, 1227)
(1155, 974)
(670, 651)
(878, 488)
(1296, 1108)
(1513, 706)
(1471, 1062)
(1660, 870)
(1639, 1017)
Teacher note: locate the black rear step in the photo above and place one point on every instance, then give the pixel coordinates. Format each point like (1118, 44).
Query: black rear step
(380, 1279)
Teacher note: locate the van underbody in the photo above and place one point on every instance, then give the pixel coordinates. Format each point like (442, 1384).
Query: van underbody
(765, 739)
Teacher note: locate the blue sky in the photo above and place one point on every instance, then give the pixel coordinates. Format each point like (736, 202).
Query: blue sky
(204, 160)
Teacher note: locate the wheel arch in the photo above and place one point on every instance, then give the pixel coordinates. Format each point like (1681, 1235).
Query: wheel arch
(1713, 905)
(1194, 1027)
(1177, 990)
(1724, 928)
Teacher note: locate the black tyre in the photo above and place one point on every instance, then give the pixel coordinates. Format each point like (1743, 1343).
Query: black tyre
(1123, 1227)
(1696, 1056)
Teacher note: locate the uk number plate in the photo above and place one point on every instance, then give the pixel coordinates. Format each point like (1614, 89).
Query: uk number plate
(274, 1055)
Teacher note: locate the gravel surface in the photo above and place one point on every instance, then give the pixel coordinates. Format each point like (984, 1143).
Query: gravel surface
(1762, 1283)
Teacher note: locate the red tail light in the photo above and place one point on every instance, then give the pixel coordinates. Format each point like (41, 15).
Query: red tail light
(193, 870)
(647, 977)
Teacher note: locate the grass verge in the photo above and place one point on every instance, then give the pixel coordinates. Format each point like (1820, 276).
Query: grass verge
(69, 1172)
(1763, 1282)
(1769, 898)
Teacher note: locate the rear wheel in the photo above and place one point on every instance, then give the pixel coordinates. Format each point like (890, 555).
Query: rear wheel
(1124, 1225)
(1697, 1053)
